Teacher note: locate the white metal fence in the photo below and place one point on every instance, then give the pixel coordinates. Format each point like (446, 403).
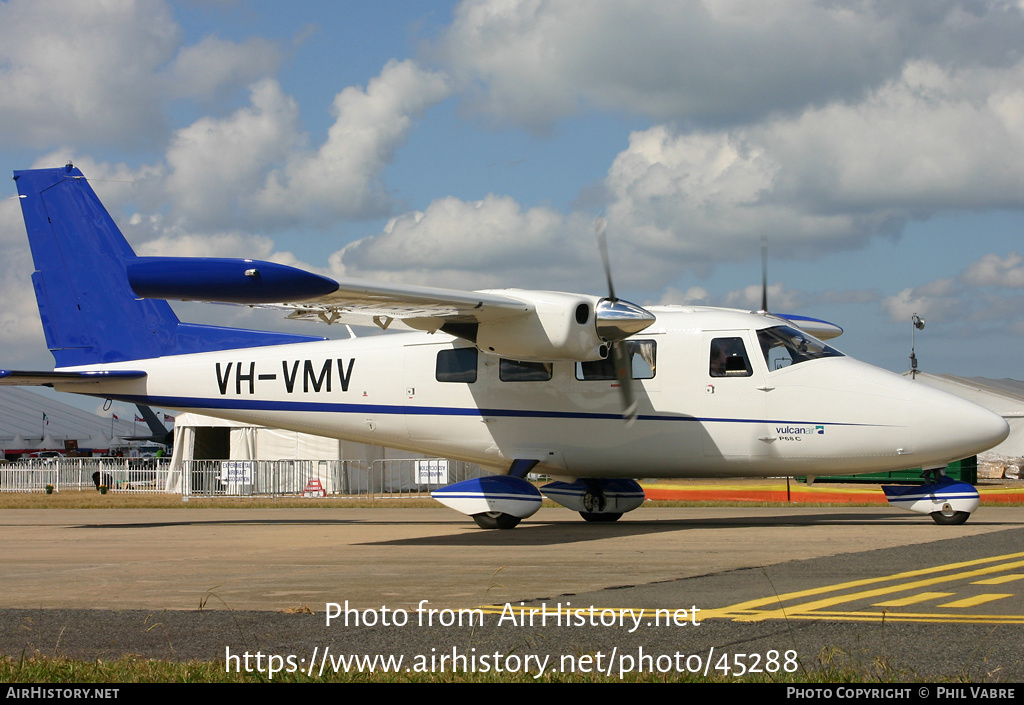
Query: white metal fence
(77, 474)
(336, 478)
(240, 478)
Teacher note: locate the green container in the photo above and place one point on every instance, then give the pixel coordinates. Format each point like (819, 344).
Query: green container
(965, 470)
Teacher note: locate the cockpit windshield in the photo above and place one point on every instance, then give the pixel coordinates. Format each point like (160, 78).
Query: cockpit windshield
(783, 346)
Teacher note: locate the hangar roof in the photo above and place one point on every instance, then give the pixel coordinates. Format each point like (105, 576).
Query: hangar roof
(31, 421)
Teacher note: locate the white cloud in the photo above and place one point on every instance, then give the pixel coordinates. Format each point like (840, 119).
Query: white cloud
(20, 329)
(342, 177)
(254, 168)
(984, 296)
(683, 201)
(694, 296)
(83, 69)
(941, 297)
(993, 270)
(208, 245)
(829, 179)
(493, 242)
(210, 68)
(12, 227)
(173, 242)
(931, 138)
(848, 296)
(779, 298)
(217, 166)
(104, 72)
(530, 62)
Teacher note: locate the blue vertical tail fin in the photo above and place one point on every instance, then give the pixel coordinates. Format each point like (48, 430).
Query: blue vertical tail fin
(89, 311)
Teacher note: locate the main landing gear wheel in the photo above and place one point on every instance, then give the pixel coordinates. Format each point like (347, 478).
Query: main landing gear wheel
(948, 517)
(496, 520)
(603, 517)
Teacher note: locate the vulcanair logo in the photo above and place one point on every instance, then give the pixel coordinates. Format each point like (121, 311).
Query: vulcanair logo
(800, 430)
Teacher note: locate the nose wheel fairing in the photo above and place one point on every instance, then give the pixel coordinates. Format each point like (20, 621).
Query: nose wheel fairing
(948, 501)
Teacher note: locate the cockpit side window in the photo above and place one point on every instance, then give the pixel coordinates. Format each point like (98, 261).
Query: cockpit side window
(729, 358)
(783, 346)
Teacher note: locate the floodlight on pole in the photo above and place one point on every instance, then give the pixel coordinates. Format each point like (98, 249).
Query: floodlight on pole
(917, 324)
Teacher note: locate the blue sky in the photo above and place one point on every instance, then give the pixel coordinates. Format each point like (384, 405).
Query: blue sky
(878, 145)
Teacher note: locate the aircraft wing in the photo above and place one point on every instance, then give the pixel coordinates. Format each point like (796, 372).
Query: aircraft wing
(516, 323)
(312, 296)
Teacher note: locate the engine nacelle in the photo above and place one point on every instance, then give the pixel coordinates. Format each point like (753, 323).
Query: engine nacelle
(563, 327)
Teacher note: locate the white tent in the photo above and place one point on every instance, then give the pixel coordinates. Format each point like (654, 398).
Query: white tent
(199, 437)
(248, 442)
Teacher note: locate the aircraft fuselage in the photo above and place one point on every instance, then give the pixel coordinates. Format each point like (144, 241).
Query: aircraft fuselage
(824, 416)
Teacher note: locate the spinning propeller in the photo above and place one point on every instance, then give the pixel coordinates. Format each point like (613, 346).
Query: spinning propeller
(617, 320)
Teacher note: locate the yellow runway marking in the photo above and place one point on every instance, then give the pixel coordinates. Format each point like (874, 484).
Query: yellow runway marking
(1000, 579)
(816, 603)
(976, 600)
(885, 616)
(914, 599)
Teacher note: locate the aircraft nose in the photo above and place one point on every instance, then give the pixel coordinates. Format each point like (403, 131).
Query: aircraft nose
(949, 428)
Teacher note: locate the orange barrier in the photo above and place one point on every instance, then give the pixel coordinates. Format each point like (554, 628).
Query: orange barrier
(799, 493)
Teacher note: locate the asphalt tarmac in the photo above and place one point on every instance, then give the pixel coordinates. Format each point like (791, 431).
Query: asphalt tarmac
(700, 589)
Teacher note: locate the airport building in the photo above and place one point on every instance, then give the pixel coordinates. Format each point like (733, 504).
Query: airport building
(32, 423)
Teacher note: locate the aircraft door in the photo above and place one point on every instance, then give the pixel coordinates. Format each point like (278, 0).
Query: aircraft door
(734, 412)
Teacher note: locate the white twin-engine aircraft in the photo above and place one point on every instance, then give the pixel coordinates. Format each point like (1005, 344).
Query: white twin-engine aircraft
(518, 381)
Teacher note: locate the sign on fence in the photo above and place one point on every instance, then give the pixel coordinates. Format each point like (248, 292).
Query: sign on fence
(433, 471)
(236, 476)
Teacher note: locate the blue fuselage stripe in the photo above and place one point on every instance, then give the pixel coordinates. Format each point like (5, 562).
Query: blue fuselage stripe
(345, 408)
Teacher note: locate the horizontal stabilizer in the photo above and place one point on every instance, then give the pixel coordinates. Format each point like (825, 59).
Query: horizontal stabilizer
(18, 378)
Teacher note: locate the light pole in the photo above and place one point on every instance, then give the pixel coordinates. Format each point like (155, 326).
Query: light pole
(917, 324)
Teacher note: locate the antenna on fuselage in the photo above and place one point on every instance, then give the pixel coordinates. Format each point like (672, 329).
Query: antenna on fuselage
(764, 274)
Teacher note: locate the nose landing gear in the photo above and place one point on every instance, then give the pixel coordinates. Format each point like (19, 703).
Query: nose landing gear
(949, 502)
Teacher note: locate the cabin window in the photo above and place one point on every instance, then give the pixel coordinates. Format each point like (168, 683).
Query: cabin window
(783, 346)
(729, 358)
(643, 355)
(516, 371)
(456, 365)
